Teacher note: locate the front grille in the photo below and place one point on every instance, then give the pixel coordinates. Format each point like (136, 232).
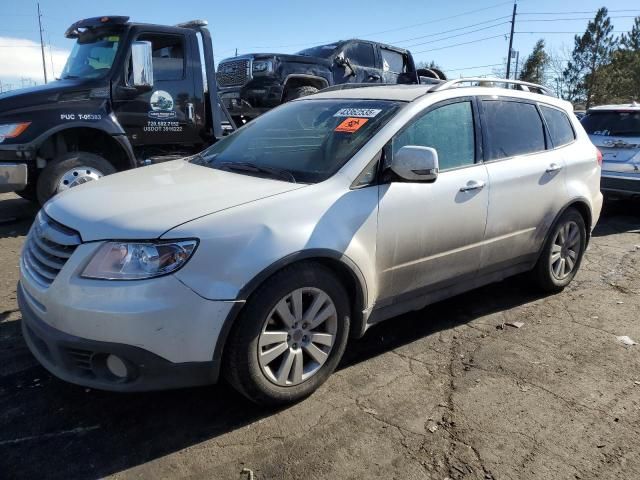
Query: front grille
(48, 247)
(233, 73)
(620, 184)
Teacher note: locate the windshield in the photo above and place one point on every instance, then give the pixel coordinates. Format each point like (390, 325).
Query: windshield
(305, 141)
(323, 51)
(620, 124)
(91, 59)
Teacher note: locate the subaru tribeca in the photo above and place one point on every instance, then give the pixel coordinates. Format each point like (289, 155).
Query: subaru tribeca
(262, 258)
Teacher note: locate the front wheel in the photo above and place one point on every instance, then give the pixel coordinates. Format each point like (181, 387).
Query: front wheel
(290, 337)
(70, 170)
(562, 253)
(299, 92)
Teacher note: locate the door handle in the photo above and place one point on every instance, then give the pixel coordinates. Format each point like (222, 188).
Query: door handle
(554, 167)
(191, 113)
(473, 185)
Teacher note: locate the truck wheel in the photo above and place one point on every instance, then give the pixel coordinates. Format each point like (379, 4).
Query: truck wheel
(70, 170)
(298, 92)
(29, 193)
(290, 336)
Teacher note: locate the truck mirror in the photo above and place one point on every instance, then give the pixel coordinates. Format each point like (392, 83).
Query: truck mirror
(141, 65)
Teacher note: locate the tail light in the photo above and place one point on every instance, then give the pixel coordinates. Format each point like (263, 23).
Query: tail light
(599, 156)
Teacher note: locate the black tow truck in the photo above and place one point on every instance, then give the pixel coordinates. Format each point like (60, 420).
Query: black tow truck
(131, 94)
(251, 84)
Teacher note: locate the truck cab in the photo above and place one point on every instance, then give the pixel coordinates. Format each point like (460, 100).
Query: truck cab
(130, 94)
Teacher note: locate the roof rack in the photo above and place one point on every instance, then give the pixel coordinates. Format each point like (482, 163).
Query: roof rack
(489, 81)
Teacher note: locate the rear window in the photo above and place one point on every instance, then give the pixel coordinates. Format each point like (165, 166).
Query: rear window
(559, 126)
(619, 124)
(513, 128)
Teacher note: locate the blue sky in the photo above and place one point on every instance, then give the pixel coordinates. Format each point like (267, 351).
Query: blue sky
(427, 28)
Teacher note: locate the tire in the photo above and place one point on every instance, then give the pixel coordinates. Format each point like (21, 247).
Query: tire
(74, 165)
(568, 239)
(29, 193)
(298, 92)
(281, 380)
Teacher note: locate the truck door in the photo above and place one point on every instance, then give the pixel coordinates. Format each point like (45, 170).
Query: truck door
(362, 60)
(168, 115)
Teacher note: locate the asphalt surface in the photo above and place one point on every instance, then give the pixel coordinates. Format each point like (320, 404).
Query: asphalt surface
(441, 393)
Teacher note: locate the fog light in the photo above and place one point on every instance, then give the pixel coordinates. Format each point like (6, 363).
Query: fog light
(116, 366)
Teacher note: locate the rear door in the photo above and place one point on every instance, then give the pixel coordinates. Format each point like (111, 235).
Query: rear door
(526, 178)
(393, 64)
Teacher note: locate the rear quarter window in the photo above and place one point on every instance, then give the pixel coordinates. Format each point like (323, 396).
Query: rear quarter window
(559, 126)
(513, 128)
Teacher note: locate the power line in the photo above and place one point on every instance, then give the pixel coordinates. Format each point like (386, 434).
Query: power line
(463, 43)
(452, 30)
(472, 68)
(571, 19)
(405, 27)
(576, 13)
(457, 35)
(576, 33)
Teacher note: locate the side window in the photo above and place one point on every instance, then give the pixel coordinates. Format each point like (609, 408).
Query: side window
(168, 56)
(392, 61)
(513, 128)
(448, 129)
(361, 54)
(559, 126)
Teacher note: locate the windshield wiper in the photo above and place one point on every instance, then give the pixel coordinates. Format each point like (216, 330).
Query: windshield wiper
(69, 76)
(253, 168)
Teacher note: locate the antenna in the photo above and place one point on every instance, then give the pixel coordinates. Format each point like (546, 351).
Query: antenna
(44, 65)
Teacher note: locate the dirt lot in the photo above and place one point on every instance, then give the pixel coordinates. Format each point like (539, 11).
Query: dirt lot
(435, 394)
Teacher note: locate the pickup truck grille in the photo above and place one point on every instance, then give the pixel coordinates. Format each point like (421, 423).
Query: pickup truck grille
(48, 247)
(233, 73)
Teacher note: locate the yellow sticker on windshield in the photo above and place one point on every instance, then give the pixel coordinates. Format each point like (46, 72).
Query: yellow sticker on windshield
(351, 124)
(113, 38)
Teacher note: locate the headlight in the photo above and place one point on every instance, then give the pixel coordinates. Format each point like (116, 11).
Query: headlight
(12, 130)
(263, 66)
(134, 261)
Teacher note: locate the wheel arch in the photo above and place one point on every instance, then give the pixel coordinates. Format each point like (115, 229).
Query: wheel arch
(296, 80)
(342, 266)
(114, 148)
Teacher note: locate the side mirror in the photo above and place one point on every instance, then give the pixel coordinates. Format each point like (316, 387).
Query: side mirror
(416, 164)
(141, 66)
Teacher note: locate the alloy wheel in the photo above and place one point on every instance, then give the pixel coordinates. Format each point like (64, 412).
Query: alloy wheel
(78, 176)
(565, 250)
(298, 336)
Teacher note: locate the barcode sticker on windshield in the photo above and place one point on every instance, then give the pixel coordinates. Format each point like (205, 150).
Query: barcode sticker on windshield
(357, 112)
(351, 125)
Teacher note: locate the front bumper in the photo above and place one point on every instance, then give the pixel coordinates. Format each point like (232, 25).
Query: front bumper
(252, 99)
(622, 184)
(84, 362)
(164, 332)
(13, 177)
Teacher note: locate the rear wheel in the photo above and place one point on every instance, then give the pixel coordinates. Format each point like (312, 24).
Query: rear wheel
(70, 170)
(562, 253)
(298, 92)
(290, 336)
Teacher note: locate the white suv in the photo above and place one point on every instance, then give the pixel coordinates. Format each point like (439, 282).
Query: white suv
(615, 130)
(259, 258)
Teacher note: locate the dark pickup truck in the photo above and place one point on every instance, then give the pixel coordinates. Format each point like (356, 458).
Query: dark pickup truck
(252, 84)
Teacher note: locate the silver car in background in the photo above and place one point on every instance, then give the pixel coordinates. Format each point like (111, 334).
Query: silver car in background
(262, 257)
(615, 130)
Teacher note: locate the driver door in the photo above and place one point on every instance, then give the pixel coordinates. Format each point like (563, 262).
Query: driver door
(360, 65)
(164, 116)
(431, 234)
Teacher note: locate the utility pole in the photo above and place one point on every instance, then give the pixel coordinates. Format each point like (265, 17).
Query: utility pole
(515, 73)
(513, 24)
(44, 65)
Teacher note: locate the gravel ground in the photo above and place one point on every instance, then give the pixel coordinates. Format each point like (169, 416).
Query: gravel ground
(439, 393)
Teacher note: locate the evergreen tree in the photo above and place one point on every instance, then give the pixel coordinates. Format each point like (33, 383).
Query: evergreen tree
(534, 67)
(592, 51)
(631, 41)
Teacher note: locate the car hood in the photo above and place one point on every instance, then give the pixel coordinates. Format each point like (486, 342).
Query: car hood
(145, 203)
